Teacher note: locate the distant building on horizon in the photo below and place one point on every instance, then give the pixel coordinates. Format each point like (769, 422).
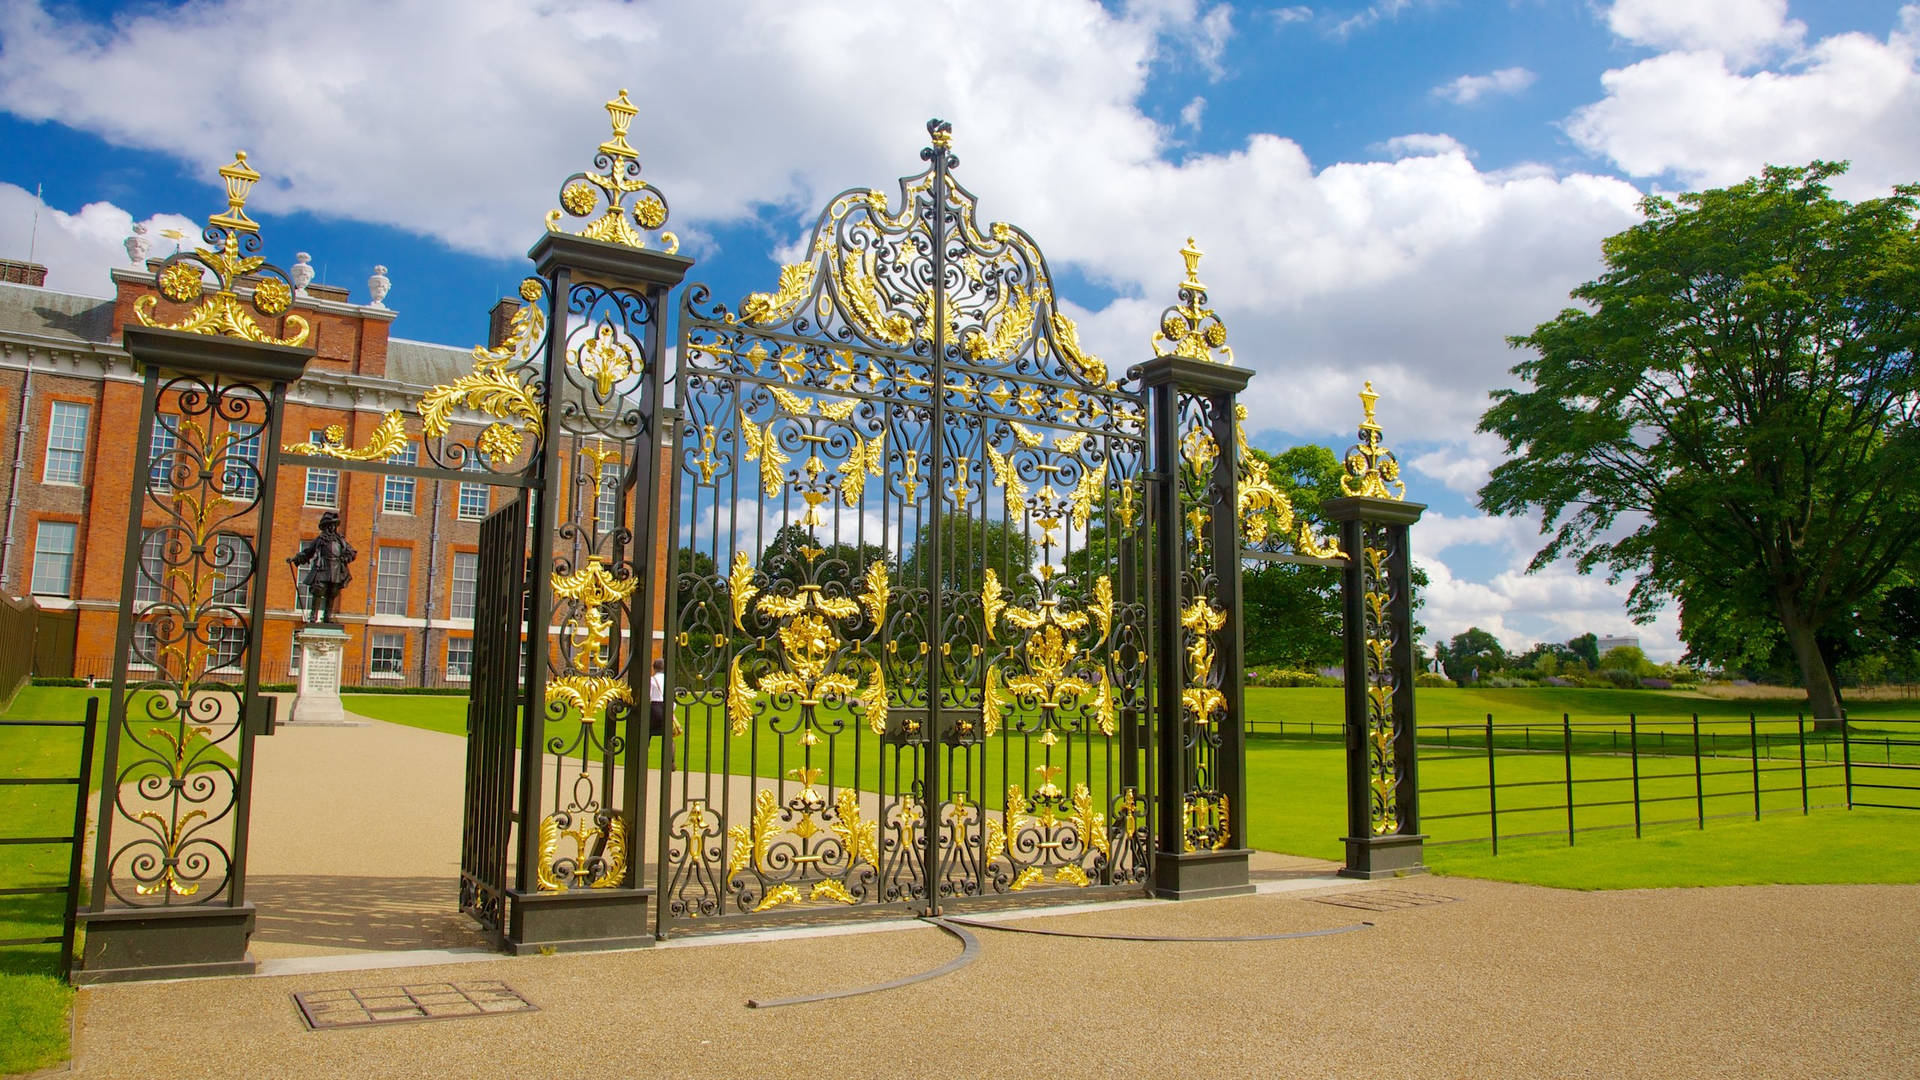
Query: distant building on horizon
(1624, 641)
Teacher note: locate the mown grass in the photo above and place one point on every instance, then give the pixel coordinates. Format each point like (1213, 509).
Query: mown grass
(34, 996)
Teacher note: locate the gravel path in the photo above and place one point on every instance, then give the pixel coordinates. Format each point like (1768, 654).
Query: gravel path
(1502, 980)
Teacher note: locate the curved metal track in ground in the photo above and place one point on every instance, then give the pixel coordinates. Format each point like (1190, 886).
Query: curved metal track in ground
(969, 952)
(1155, 937)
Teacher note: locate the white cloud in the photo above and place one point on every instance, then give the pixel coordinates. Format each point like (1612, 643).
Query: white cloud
(1462, 467)
(1190, 113)
(1743, 31)
(1471, 89)
(1286, 16)
(1377, 12)
(1849, 96)
(79, 249)
(1420, 145)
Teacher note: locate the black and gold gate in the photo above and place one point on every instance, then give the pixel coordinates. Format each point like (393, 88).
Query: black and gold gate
(492, 715)
(910, 654)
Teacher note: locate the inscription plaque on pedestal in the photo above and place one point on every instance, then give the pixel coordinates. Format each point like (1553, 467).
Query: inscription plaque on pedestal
(317, 697)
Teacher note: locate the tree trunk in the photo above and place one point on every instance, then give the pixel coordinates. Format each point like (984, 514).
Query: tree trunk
(1823, 700)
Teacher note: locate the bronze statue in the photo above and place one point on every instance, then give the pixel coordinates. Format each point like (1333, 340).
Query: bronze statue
(326, 557)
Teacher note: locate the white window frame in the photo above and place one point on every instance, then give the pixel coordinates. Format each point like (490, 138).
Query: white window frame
(331, 478)
(457, 584)
(392, 491)
(41, 551)
(62, 440)
(383, 596)
(238, 481)
(466, 644)
(380, 640)
(159, 455)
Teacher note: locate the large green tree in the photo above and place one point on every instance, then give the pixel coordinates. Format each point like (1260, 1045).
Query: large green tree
(1730, 419)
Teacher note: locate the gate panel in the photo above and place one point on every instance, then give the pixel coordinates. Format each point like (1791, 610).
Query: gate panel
(492, 710)
(911, 648)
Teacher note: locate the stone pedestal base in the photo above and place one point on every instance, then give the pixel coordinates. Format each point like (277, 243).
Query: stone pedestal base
(317, 695)
(1370, 857)
(579, 920)
(128, 944)
(1192, 875)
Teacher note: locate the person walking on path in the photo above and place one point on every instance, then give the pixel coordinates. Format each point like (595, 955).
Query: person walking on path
(657, 702)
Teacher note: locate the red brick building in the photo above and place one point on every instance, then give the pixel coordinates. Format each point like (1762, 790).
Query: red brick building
(70, 401)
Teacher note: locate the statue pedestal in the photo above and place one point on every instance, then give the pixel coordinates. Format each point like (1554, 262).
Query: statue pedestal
(317, 696)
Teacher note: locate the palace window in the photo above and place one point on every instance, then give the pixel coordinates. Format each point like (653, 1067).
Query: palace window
(66, 443)
(53, 551)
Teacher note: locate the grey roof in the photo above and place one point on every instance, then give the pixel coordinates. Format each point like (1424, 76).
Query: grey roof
(419, 363)
(26, 309)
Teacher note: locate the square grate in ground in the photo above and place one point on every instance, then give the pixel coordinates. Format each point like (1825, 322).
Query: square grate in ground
(1382, 900)
(364, 1005)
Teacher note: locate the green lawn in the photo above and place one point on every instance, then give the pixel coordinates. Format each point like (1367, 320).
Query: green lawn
(1296, 795)
(34, 997)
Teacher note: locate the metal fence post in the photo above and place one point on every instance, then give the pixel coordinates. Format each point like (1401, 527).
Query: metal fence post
(1846, 759)
(1633, 750)
(1699, 789)
(1493, 802)
(1805, 804)
(79, 837)
(1753, 744)
(1566, 748)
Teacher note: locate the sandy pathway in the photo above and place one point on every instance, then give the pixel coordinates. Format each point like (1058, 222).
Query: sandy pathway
(1505, 981)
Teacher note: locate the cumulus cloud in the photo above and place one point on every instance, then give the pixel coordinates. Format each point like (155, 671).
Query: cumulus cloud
(78, 249)
(1191, 112)
(1420, 144)
(1743, 31)
(1472, 89)
(1697, 116)
(1554, 604)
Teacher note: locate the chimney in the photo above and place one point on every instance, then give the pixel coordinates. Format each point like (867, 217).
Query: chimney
(23, 273)
(501, 320)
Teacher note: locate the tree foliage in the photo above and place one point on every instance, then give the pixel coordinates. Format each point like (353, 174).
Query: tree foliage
(1292, 612)
(1731, 418)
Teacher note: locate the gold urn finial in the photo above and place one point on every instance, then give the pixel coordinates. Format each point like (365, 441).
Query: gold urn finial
(1372, 470)
(1367, 398)
(239, 178)
(1192, 254)
(621, 112)
(1190, 328)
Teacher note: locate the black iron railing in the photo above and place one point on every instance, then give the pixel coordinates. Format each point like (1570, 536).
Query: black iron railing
(1571, 778)
(20, 911)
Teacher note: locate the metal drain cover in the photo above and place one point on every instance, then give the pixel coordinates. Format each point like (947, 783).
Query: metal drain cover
(361, 1006)
(1381, 900)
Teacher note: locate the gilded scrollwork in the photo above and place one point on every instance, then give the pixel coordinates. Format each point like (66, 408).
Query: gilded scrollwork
(613, 188)
(1372, 469)
(232, 240)
(1190, 328)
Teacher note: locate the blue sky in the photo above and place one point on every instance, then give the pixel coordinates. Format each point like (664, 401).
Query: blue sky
(1385, 190)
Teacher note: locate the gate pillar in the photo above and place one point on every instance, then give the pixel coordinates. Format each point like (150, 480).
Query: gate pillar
(1193, 528)
(169, 879)
(599, 563)
(1383, 788)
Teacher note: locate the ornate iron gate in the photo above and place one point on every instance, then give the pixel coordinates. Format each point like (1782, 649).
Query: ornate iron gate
(492, 715)
(910, 659)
